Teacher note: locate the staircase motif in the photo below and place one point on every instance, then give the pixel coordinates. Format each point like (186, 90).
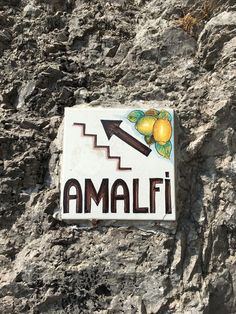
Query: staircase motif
(106, 148)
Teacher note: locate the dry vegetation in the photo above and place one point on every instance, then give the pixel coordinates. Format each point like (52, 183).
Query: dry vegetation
(195, 15)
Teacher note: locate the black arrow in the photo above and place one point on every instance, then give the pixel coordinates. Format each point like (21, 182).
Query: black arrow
(112, 127)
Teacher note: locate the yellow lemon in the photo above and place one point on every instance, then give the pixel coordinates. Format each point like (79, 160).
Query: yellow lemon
(145, 125)
(162, 131)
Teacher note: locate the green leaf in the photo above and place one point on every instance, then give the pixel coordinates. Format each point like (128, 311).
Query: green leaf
(164, 150)
(152, 112)
(164, 115)
(135, 115)
(149, 139)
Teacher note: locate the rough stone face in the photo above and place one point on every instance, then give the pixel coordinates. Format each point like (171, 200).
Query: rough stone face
(55, 54)
(216, 33)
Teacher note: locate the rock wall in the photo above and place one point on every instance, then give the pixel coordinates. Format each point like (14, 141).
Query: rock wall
(62, 53)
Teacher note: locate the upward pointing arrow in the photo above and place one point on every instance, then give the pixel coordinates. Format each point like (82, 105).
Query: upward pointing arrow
(112, 127)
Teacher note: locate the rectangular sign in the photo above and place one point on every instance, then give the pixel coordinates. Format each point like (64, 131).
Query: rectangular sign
(118, 164)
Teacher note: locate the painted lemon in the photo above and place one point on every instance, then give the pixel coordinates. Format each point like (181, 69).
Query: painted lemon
(145, 125)
(162, 131)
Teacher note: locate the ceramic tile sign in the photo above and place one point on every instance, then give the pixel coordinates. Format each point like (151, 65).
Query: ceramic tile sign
(118, 164)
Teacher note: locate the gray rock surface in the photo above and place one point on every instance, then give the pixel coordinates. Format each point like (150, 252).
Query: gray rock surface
(57, 53)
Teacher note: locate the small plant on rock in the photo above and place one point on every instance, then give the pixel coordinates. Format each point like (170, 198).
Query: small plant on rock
(208, 8)
(187, 22)
(196, 14)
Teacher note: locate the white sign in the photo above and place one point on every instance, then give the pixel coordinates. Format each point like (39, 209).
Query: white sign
(118, 164)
